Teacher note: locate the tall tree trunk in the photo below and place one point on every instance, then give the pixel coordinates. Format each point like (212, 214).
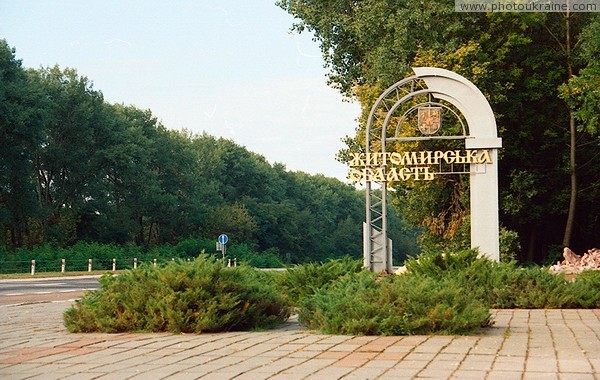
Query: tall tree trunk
(140, 235)
(150, 232)
(573, 170)
(572, 146)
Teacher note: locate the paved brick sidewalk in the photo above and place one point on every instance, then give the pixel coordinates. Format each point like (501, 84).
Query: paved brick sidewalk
(523, 344)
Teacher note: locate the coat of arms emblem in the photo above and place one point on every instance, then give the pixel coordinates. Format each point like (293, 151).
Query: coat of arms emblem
(430, 120)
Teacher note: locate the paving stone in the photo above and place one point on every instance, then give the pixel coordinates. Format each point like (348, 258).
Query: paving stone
(469, 375)
(574, 366)
(380, 363)
(400, 373)
(287, 376)
(436, 373)
(509, 363)
(364, 373)
(525, 344)
(540, 376)
(543, 365)
(330, 373)
(355, 359)
(460, 345)
(395, 356)
(420, 356)
(309, 367)
(443, 365)
(412, 364)
(333, 355)
(478, 362)
(505, 375)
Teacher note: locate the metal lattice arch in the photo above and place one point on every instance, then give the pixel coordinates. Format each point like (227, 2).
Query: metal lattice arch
(449, 90)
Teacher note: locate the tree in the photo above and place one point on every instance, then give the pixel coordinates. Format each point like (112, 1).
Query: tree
(20, 134)
(77, 168)
(583, 97)
(65, 160)
(518, 60)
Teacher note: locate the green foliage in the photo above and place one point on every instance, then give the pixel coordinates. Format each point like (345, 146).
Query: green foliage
(510, 246)
(267, 259)
(346, 306)
(442, 293)
(539, 71)
(586, 288)
(581, 92)
(190, 297)
(439, 264)
(505, 285)
(75, 168)
(362, 304)
(184, 249)
(302, 281)
(21, 115)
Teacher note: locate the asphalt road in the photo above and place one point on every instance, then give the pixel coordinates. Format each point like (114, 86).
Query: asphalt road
(14, 292)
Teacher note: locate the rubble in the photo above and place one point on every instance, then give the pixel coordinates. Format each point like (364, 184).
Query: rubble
(573, 263)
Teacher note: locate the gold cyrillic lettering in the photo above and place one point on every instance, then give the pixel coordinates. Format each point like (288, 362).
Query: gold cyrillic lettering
(378, 175)
(357, 159)
(447, 158)
(407, 165)
(425, 157)
(411, 158)
(404, 174)
(372, 159)
(485, 158)
(357, 175)
(472, 156)
(427, 175)
(459, 159)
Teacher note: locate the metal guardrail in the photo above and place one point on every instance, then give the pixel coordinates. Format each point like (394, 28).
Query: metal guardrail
(64, 265)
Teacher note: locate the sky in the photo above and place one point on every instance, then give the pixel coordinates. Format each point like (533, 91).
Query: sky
(230, 68)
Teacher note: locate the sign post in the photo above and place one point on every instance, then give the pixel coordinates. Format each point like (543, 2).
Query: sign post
(221, 243)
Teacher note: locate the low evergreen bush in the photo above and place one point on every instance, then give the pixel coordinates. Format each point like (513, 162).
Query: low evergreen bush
(441, 293)
(190, 297)
(302, 281)
(364, 304)
(586, 288)
(506, 285)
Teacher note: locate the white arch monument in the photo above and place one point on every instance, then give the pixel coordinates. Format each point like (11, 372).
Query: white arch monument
(439, 85)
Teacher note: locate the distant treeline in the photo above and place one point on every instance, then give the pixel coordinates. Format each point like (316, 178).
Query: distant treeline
(74, 168)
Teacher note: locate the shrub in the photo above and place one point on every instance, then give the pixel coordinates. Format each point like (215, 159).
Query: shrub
(440, 264)
(344, 307)
(302, 281)
(586, 288)
(505, 285)
(192, 297)
(510, 245)
(363, 304)
(243, 254)
(191, 248)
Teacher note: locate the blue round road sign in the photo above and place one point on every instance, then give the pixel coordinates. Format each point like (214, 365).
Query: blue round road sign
(223, 239)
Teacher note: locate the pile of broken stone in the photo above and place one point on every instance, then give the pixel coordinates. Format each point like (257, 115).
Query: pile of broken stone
(573, 263)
